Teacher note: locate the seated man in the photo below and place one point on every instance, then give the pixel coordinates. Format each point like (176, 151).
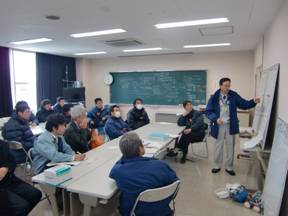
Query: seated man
(16, 196)
(67, 113)
(194, 128)
(115, 125)
(137, 116)
(98, 116)
(33, 121)
(134, 174)
(51, 145)
(17, 129)
(77, 134)
(44, 111)
(58, 107)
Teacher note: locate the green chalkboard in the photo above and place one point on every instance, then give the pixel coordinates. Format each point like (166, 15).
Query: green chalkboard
(159, 87)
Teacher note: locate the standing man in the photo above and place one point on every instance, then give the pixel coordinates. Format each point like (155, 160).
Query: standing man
(221, 110)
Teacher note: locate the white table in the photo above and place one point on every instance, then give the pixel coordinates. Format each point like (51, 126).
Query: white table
(95, 158)
(90, 179)
(98, 187)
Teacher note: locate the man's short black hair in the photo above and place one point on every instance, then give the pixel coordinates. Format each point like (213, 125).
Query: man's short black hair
(55, 120)
(66, 107)
(112, 108)
(45, 102)
(225, 79)
(21, 106)
(186, 102)
(137, 99)
(60, 98)
(97, 100)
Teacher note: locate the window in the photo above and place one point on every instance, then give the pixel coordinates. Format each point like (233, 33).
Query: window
(23, 77)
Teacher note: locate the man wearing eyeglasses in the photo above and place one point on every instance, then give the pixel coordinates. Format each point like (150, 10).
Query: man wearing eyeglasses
(17, 129)
(221, 110)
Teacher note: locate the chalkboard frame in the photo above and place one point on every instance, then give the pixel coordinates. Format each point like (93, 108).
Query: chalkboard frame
(175, 73)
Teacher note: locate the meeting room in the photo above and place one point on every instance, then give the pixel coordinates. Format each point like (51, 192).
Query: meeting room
(143, 108)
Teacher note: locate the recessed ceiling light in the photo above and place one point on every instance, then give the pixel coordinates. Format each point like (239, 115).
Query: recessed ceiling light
(207, 45)
(52, 17)
(146, 49)
(97, 33)
(192, 23)
(31, 41)
(90, 53)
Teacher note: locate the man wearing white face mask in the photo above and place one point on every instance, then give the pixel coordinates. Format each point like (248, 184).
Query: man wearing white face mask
(137, 116)
(115, 125)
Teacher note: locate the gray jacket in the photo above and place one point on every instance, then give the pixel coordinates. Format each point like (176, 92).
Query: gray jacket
(45, 150)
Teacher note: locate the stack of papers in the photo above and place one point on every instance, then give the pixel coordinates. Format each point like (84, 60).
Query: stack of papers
(152, 144)
(159, 136)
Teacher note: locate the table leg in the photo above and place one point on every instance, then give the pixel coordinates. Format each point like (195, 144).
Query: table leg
(66, 202)
(51, 192)
(88, 202)
(75, 205)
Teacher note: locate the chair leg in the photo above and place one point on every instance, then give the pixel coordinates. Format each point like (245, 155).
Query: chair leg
(206, 154)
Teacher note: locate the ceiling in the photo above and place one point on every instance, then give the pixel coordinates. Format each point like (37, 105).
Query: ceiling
(25, 19)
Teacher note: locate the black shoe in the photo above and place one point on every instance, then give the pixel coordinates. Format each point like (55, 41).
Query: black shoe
(214, 170)
(183, 160)
(230, 172)
(171, 153)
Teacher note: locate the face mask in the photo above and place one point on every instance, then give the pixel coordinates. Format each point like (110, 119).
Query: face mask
(117, 114)
(139, 106)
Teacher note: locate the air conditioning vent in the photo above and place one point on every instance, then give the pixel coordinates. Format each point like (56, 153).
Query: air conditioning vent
(214, 31)
(128, 42)
(156, 54)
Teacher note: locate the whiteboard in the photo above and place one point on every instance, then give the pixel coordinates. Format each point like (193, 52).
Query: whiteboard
(277, 171)
(263, 109)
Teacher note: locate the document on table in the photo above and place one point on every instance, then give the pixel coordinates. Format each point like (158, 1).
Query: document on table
(72, 163)
(165, 123)
(174, 136)
(152, 144)
(37, 131)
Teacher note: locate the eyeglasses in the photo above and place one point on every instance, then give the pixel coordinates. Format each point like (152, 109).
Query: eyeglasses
(27, 111)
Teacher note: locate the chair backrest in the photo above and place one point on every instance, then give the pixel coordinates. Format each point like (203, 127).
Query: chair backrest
(3, 121)
(157, 194)
(107, 138)
(14, 145)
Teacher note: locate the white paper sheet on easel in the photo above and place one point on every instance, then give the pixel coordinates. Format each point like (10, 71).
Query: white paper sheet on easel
(253, 142)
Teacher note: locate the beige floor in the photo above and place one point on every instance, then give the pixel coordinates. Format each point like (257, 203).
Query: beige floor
(196, 196)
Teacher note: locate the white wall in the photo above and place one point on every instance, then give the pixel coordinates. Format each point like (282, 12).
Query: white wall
(275, 50)
(238, 66)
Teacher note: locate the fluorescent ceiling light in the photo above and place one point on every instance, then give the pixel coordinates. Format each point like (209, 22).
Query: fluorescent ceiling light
(146, 49)
(37, 40)
(207, 45)
(90, 53)
(192, 23)
(97, 33)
